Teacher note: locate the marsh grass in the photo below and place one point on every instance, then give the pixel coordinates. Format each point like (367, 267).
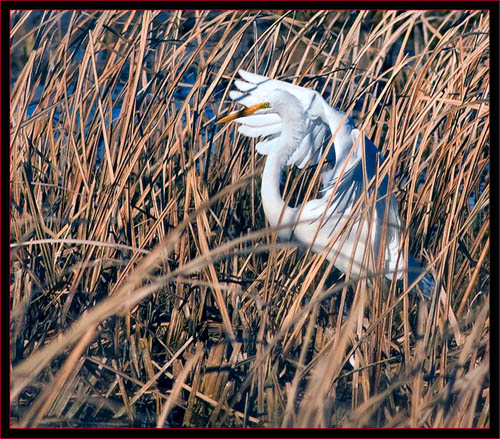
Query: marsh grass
(145, 287)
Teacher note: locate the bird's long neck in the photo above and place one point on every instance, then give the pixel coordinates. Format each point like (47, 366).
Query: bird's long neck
(275, 209)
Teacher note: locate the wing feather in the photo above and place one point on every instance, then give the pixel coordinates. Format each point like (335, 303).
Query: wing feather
(258, 131)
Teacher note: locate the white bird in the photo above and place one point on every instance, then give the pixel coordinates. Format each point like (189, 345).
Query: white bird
(294, 122)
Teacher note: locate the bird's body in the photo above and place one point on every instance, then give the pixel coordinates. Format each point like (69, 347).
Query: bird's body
(295, 122)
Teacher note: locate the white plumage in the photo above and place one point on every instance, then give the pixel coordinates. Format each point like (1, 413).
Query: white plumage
(294, 124)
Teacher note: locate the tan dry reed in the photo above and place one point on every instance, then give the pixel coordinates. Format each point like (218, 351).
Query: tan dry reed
(145, 287)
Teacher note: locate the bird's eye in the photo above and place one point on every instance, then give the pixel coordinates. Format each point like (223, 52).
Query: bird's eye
(266, 105)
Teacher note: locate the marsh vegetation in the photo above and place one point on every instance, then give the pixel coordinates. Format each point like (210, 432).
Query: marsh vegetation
(146, 288)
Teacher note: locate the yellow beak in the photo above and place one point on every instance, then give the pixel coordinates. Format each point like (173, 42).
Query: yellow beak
(245, 112)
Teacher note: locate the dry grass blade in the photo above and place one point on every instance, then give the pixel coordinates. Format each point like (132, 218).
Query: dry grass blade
(171, 401)
(146, 289)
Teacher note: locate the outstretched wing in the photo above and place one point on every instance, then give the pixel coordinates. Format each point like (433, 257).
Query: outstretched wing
(321, 118)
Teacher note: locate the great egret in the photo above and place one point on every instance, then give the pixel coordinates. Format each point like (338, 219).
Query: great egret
(294, 122)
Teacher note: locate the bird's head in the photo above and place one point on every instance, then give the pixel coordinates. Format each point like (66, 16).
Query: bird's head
(280, 102)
